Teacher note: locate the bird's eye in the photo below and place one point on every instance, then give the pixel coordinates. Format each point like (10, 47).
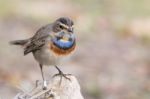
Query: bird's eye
(60, 26)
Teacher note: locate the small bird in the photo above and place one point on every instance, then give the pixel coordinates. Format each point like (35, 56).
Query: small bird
(50, 44)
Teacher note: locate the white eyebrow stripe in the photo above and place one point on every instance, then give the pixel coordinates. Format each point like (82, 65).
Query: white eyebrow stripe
(65, 26)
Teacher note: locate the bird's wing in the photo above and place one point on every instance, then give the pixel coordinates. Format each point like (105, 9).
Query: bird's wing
(37, 41)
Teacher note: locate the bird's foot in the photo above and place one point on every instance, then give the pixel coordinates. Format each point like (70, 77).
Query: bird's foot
(61, 74)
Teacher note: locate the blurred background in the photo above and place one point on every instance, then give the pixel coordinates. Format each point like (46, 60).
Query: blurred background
(112, 60)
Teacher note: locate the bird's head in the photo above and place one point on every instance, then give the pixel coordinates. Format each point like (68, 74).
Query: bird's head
(63, 34)
(63, 24)
(63, 28)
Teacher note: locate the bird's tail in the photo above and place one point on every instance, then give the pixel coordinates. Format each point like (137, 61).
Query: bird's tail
(19, 42)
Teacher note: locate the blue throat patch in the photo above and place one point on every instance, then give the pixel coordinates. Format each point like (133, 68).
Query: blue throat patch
(63, 44)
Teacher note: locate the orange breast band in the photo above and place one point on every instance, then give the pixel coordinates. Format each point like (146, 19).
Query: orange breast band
(59, 51)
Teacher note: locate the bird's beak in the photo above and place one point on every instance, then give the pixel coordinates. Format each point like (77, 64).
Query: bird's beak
(70, 29)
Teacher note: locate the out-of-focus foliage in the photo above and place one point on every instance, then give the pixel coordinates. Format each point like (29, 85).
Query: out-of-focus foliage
(112, 60)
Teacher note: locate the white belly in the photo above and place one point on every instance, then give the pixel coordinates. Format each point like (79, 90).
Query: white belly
(46, 57)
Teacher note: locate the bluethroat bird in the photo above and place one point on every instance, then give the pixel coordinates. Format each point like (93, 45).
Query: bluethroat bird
(50, 44)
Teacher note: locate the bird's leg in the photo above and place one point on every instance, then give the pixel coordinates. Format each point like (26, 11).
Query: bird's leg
(44, 81)
(61, 74)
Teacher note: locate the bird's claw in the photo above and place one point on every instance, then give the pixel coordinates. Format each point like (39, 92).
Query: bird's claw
(60, 73)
